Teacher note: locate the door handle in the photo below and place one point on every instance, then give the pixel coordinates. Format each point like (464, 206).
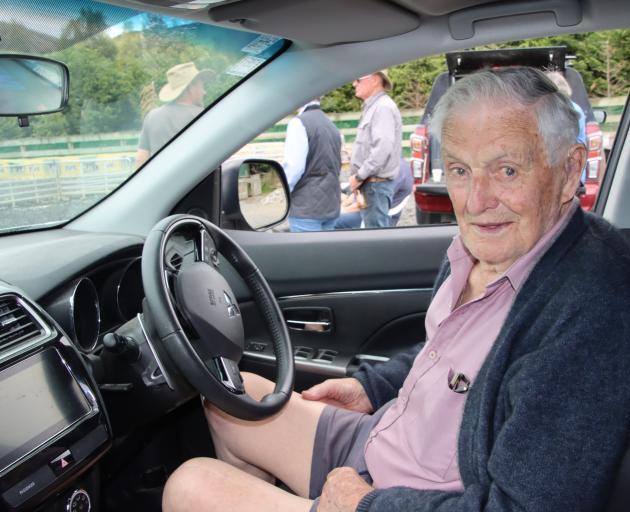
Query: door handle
(305, 325)
(317, 320)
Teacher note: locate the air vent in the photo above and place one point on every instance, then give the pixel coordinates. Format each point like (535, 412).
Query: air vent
(17, 325)
(176, 261)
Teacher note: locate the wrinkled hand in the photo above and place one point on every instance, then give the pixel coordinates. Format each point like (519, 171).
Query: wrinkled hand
(343, 491)
(347, 393)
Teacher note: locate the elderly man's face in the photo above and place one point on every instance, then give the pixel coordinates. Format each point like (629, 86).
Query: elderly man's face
(366, 86)
(504, 193)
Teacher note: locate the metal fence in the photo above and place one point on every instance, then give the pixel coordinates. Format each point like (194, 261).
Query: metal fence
(26, 185)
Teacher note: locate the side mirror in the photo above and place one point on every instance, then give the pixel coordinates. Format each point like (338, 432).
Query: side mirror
(600, 116)
(254, 194)
(32, 85)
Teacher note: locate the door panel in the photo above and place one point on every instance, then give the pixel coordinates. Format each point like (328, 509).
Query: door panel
(351, 296)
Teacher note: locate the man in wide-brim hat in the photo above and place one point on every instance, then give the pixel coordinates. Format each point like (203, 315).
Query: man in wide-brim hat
(183, 96)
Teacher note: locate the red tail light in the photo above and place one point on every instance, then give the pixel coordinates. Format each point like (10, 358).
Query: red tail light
(419, 142)
(594, 147)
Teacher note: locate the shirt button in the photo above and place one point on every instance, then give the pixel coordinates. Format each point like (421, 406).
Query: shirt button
(432, 354)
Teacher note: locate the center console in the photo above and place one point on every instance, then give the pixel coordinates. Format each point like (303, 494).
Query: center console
(53, 426)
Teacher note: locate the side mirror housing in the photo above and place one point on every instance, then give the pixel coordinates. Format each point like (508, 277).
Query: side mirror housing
(600, 116)
(254, 194)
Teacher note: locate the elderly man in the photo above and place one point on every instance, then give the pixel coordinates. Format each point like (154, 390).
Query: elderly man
(377, 148)
(519, 400)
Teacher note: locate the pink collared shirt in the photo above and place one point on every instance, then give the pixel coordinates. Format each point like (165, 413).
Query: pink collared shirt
(415, 442)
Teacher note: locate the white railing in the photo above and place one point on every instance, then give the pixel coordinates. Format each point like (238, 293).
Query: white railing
(40, 191)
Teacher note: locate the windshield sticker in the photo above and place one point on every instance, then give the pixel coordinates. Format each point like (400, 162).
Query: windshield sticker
(260, 44)
(244, 66)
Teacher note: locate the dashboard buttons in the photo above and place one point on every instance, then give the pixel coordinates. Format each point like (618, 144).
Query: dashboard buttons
(79, 501)
(61, 463)
(28, 487)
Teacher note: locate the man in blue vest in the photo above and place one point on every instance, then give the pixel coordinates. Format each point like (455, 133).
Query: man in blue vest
(312, 161)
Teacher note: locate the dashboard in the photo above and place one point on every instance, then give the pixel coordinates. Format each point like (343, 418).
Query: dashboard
(54, 425)
(77, 361)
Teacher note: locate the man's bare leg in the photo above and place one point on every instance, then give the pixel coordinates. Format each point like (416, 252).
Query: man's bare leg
(209, 485)
(280, 446)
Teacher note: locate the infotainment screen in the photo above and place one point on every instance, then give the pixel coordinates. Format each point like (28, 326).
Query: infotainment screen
(39, 398)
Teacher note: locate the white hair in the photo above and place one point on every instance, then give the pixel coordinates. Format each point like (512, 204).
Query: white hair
(558, 121)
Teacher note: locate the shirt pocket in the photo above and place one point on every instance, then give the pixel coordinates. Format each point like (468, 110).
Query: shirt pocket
(437, 429)
(360, 137)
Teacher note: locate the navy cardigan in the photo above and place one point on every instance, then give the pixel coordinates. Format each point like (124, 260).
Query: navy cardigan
(546, 421)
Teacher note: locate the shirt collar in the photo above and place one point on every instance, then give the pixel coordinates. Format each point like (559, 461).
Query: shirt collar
(372, 99)
(462, 262)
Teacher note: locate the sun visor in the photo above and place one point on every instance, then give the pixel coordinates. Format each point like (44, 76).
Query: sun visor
(311, 20)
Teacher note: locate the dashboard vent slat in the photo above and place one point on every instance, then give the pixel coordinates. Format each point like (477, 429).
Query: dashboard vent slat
(16, 323)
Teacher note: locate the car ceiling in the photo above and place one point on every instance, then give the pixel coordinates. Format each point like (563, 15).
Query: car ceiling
(326, 22)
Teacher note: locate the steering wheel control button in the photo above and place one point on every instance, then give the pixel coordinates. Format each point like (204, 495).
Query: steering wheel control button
(230, 375)
(214, 257)
(61, 463)
(29, 487)
(79, 501)
(256, 346)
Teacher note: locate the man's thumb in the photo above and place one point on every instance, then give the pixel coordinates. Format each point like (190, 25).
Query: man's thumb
(315, 392)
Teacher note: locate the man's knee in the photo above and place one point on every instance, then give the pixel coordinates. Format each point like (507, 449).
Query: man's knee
(181, 491)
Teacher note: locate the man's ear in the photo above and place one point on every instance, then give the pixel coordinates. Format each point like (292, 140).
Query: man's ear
(574, 164)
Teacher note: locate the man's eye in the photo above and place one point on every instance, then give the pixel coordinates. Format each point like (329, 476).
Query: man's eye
(508, 171)
(458, 171)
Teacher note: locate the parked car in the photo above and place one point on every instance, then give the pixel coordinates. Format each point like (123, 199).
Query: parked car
(99, 390)
(432, 202)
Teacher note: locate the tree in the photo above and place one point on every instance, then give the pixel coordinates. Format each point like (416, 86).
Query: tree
(341, 99)
(413, 81)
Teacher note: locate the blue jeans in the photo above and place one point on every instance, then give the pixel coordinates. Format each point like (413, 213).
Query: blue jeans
(378, 196)
(298, 225)
(350, 220)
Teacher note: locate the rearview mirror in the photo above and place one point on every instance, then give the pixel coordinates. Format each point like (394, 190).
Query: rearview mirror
(32, 85)
(254, 194)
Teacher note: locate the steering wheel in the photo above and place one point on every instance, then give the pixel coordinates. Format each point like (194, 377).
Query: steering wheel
(197, 318)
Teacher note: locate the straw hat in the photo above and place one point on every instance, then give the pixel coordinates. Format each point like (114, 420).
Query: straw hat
(387, 83)
(179, 77)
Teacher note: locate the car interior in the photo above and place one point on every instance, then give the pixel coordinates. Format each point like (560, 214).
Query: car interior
(166, 288)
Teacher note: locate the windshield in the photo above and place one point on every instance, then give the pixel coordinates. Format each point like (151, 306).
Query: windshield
(136, 81)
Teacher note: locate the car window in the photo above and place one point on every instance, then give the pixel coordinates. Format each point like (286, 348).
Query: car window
(585, 61)
(136, 81)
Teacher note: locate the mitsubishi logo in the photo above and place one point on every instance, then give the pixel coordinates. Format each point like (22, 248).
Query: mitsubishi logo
(231, 306)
